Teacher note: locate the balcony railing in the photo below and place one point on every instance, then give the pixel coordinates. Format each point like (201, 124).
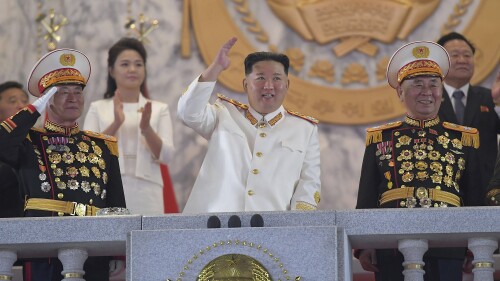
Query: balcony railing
(310, 245)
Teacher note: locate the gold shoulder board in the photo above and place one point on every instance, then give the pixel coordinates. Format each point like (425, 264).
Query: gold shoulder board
(374, 134)
(231, 101)
(305, 117)
(470, 136)
(110, 141)
(99, 136)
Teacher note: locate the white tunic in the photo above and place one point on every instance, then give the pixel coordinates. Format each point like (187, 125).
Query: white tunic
(141, 175)
(271, 165)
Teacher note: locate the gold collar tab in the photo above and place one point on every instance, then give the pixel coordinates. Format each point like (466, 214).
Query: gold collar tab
(54, 127)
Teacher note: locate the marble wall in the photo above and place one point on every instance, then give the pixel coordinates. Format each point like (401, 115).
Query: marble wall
(95, 25)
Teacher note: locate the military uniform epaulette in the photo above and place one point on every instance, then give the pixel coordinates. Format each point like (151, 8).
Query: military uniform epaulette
(231, 101)
(374, 134)
(470, 136)
(305, 117)
(110, 141)
(99, 136)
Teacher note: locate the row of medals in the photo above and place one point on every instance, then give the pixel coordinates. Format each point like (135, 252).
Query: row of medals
(58, 153)
(423, 148)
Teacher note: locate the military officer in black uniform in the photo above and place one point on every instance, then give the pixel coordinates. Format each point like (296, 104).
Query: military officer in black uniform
(63, 171)
(420, 162)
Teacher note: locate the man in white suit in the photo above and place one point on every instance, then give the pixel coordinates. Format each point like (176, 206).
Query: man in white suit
(261, 157)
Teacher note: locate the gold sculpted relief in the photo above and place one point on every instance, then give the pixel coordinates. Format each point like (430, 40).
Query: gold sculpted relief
(296, 57)
(326, 101)
(234, 267)
(355, 72)
(354, 22)
(323, 69)
(204, 266)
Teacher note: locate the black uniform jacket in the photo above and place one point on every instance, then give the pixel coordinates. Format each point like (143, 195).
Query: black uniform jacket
(416, 163)
(11, 202)
(61, 163)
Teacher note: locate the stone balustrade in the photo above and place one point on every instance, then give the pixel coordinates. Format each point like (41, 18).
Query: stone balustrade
(310, 245)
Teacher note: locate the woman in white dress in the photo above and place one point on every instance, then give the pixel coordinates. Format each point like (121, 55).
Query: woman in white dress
(142, 126)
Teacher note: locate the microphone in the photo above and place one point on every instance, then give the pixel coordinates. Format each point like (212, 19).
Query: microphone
(234, 221)
(256, 221)
(213, 222)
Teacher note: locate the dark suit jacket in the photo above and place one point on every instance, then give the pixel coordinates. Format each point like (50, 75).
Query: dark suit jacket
(480, 114)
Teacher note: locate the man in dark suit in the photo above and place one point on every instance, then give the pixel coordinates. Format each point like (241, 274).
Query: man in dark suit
(477, 108)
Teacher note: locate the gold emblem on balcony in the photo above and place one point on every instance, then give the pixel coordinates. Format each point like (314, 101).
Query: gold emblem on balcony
(235, 267)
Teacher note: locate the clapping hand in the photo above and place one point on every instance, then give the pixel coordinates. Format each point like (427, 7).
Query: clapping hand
(118, 108)
(145, 118)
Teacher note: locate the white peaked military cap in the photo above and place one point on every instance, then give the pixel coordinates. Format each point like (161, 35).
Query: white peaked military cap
(61, 66)
(416, 59)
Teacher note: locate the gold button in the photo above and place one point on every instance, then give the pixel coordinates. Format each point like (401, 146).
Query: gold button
(91, 201)
(262, 125)
(263, 135)
(259, 154)
(255, 171)
(60, 195)
(250, 192)
(60, 214)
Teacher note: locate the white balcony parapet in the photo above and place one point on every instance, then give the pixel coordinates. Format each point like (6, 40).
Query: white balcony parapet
(356, 229)
(483, 262)
(413, 251)
(72, 261)
(7, 259)
(69, 238)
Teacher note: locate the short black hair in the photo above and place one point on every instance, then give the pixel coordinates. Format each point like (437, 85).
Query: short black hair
(254, 58)
(455, 36)
(9, 85)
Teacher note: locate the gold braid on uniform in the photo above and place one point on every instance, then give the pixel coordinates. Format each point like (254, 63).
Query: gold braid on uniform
(374, 135)
(110, 141)
(304, 206)
(470, 136)
(233, 102)
(113, 147)
(305, 117)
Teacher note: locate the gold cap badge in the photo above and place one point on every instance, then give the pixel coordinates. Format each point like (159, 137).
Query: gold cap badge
(67, 59)
(420, 52)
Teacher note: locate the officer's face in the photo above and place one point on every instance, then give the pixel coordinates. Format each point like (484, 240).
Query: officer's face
(66, 105)
(11, 101)
(266, 86)
(462, 62)
(128, 70)
(421, 96)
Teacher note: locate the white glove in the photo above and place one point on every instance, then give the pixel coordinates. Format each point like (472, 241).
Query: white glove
(41, 103)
